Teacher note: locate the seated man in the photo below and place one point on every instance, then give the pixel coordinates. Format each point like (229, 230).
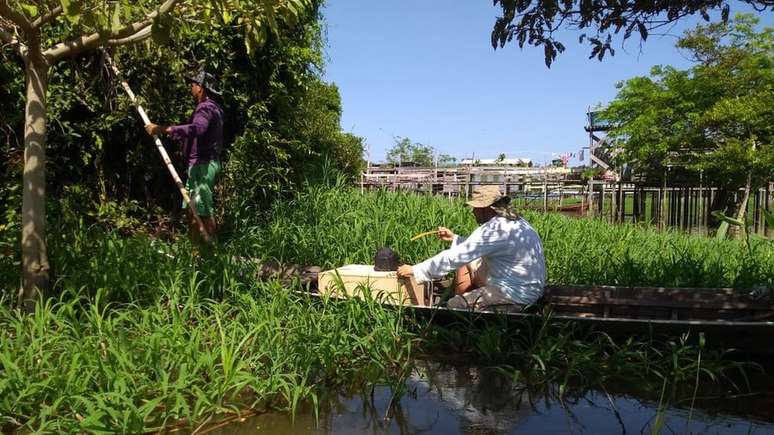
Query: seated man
(500, 263)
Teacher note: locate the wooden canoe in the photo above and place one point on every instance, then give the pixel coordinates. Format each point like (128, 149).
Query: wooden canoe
(730, 318)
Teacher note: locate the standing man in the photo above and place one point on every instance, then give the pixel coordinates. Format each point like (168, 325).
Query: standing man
(500, 263)
(202, 140)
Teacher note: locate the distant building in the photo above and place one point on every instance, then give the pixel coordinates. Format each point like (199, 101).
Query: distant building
(496, 162)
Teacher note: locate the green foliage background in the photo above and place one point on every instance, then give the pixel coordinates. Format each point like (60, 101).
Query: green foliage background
(405, 151)
(715, 116)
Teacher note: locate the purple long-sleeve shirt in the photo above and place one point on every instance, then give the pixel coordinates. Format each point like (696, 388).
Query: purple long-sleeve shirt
(202, 137)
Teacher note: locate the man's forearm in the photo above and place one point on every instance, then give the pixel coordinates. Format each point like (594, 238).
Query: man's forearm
(155, 129)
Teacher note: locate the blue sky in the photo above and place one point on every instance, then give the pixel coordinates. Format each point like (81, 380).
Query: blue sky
(425, 69)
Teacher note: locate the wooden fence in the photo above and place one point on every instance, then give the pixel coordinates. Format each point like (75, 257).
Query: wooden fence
(549, 189)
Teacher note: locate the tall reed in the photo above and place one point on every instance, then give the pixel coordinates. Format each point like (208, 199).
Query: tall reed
(331, 227)
(145, 335)
(83, 364)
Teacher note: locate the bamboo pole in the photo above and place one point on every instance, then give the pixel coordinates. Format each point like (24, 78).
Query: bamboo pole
(425, 234)
(159, 147)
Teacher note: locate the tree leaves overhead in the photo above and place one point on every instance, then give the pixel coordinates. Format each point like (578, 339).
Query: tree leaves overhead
(161, 29)
(282, 120)
(535, 22)
(258, 20)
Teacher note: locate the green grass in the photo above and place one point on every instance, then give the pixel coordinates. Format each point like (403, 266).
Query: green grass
(144, 336)
(82, 365)
(335, 227)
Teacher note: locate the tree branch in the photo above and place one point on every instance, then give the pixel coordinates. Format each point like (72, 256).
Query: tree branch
(139, 36)
(50, 15)
(17, 18)
(9, 38)
(86, 42)
(82, 43)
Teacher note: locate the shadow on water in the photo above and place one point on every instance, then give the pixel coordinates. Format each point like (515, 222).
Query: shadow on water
(458, 399)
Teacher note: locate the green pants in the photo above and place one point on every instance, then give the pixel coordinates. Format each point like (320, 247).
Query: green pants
(201, 186)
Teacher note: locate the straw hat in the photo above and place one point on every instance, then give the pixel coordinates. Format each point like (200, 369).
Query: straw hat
(485, 196)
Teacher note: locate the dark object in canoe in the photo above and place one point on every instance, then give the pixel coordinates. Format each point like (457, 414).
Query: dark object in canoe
(386, 260)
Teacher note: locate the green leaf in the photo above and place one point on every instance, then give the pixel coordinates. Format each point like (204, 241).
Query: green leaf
(70, 10)
(226, 16)
(30, 10)
(643, 30)
(769, 216)
(160, 30)
(115, 22)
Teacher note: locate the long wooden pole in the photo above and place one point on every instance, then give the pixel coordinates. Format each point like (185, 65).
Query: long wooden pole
(160, 148)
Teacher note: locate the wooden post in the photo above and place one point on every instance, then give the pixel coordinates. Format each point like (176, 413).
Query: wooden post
(469, 189)
(602, 200)
(700, 205)
(711, 199)
(622, 201)
(766, 204)
(614, 204)
(635, 204)
(662, 200)
(561, 194)
(590, 202)
(769, 188)
(505, 182)
(674, 207)
(694, 200)
(545, 190)
(686, 208)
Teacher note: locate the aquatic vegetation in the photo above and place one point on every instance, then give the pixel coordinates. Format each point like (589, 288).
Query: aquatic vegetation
(146, 335)
(331, 227)
(81, 364)
(538, 357)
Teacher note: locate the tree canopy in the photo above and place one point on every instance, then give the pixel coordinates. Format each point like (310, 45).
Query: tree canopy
(537, 22)
(717, 116)
(405, 151)
(282, 120)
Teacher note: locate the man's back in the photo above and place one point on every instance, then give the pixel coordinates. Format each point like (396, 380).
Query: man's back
(516, 263)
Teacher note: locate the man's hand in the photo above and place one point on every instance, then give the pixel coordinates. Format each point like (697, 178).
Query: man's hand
(405, 271)
(445, 234)
(154, 129)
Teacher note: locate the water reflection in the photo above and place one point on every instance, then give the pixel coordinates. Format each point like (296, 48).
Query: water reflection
(454, 399)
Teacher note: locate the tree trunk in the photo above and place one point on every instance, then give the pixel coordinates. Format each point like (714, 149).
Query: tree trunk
(35, 267)
(742, 210)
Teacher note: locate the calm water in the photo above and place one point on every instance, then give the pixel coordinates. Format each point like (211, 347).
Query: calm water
(446, 399)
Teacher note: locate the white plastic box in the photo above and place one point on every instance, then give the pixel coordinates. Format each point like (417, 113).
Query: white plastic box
(385, 286)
